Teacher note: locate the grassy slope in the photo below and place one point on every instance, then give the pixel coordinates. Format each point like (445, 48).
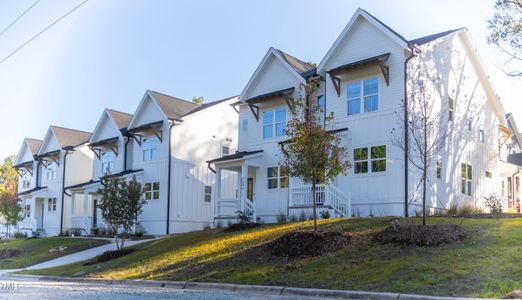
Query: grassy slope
(486, 265)
(36, 250)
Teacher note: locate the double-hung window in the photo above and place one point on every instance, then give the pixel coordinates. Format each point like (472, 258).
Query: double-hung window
(363, 96)
(438, 170)
(466, 179)
(481, 135)
(152, 190)
(373, 156)
(277, 177)
(107, 160)
(27, 211)
(208, 193)
(225, 150)
(451, 109)
(244, 126)
(150, 148)
(51, 171)
(51, 204)
(274, 123)
(26, 180)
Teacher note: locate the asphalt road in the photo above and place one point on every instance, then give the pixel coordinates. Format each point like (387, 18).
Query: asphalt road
(31, 289)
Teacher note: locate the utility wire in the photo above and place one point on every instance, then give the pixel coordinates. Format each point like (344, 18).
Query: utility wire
(19, 17)
(45, 29)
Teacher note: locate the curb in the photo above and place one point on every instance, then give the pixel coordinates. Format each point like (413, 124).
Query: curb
(240, 288)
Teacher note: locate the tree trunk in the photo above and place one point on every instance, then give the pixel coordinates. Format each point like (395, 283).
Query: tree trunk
(424, 196)
(424, 171)
(314, 206)
(123, 237)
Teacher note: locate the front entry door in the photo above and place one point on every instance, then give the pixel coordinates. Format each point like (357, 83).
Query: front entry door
(250, 189)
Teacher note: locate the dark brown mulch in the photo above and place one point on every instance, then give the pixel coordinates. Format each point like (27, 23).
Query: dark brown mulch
(239, 227)
(108, 255)
(300, 244)
(9, 253)
(422, 235)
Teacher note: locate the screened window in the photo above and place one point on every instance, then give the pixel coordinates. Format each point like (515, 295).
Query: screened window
(150, 148)
(51, 204)
(466, 179)
(51, 171)
(107, 160)
(208, 193)
(277, 177)
(274, 123)
(363, 96)
(244, 126)
(152, 190)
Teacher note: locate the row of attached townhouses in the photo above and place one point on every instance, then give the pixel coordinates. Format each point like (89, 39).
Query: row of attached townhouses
(200, 164)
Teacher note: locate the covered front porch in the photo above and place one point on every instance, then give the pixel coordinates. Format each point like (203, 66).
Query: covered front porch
(510, 173)
(33, 204)
(84, 211)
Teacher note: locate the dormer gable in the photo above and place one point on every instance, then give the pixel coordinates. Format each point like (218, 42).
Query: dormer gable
(25, 157)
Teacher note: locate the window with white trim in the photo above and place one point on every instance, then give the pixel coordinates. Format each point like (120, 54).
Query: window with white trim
(363, 96)
(51, 204)
(150, 148)
(277, 177)
(27, 210)
(107, 162)
(481, 135)
(466, 179)
(451, 109)
(373, 157)
(26, 180)
(244, 126)
(469, 121)
(152, 190)
(438, 170)
(208, 193)
(225, 150)
(489, 174)
(274, 123)
(51, 171)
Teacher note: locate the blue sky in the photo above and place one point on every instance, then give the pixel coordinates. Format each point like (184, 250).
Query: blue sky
(108, 52)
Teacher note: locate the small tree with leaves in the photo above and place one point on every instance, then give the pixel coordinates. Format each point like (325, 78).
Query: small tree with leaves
(10, 208)
(121, 203)
(198, 100)
(427, 126)
(313, 151)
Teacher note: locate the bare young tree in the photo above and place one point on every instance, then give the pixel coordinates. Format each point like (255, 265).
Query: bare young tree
(427, 125)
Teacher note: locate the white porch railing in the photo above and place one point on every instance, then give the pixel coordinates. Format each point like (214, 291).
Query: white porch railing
(84, 223)
(227, 208)
(324, 195)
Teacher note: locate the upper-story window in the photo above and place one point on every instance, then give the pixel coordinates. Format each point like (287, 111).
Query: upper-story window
(26, 180)
(150, 148)
(469, 121)
(363, 96)
(274, 123)
(107, 160)
(244, 126)
(51, 171)
(481, 136)
(225, 150)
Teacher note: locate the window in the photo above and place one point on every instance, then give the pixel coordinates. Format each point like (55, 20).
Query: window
(274, 123)
(469, 121)
(225, 150)
(107, 160)
(451, 105)
(152, 190)
(490, 175)
(481, 135)
(26, 180)
(244, 126)
(150, 148)
(321, 102)
(466, 179)
(277, 177)
(208, 193)
(377, 159)
(368, 90)
(27, 211)
(51, 171)
(51, 204)
(438, 170)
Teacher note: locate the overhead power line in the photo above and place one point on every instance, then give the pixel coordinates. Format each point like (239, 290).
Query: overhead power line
(44, 30)
(19, 17)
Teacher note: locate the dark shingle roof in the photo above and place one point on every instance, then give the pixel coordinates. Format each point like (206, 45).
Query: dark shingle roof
(237, 155)
(173, 107)
(432, 37)
(34, 145)
(301, 67)
(70, 137)
(121, 119)
(207, 105)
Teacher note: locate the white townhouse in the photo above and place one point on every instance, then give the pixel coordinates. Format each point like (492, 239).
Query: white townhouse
(364, 78)
(62, 159)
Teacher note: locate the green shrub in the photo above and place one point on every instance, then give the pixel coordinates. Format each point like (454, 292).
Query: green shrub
(20, 235)
(325, 214)
(493, 203)
(281, 218)
(302, 216)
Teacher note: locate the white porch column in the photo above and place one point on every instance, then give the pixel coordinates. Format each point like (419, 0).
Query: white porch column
(244, 180)
(217, 192)
(85, 209)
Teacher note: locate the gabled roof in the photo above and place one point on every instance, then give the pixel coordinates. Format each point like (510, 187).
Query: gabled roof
(174, 108)
(432, 37)
(385, 26)
(121, 119)
(210, 104)
(67, 137)
(514, 128)
(33, 145)
(301, 67)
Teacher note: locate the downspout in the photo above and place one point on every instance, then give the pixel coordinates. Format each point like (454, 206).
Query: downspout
(125, 152)
(37, 181)
(406, 129)
(168, 177)
(63, 190)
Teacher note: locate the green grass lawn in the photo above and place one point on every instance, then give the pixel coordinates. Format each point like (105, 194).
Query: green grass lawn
(487, 265)
(35, 251)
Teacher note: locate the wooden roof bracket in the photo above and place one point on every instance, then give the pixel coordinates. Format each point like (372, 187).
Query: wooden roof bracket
(337, 83)
(158, 134)
(385, 72)
(289, 101)
(95, 151)
(136, 137)
(114, 149)
(255, 111)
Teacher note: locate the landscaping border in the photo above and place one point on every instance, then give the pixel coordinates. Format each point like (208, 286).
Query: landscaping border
(241, 288)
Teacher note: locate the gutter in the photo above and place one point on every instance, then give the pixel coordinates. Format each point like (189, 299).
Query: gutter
(125, 151)
(169, 177)
(406, 129)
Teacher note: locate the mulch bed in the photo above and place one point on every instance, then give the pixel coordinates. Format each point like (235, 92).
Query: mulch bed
(9, 253)
(239, 226)
(109, 255)
(422, 235)
(300, 244)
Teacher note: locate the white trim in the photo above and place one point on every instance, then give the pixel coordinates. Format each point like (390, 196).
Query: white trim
(140, 108)
(98, 126)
